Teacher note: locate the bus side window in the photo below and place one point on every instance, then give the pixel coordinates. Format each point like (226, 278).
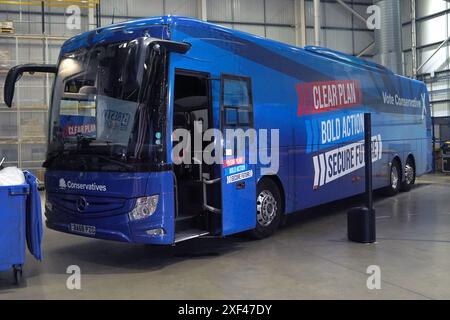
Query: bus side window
(237, 106)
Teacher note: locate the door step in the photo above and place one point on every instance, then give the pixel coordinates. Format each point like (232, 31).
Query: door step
(184, 218)
(189, 234)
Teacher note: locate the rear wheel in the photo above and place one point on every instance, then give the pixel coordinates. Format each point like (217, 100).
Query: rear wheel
(268, 209)
(410, 175)
(395, 179)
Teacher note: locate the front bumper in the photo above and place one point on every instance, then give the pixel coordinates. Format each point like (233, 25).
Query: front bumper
(106, 215)
(119, 227)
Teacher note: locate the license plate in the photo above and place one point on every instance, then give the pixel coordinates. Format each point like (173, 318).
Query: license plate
(82, 229)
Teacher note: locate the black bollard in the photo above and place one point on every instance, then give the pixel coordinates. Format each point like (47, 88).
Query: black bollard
(361, 221)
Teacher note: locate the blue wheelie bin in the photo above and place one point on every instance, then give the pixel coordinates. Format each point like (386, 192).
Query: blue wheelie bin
(20, 225)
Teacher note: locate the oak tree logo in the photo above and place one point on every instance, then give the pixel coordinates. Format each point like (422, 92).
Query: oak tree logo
(62, 184)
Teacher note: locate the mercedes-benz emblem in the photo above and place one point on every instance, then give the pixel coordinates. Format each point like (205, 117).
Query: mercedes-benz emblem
(82, 204)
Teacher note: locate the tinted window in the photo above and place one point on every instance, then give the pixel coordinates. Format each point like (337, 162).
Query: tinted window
(237, 104)
(235, 93)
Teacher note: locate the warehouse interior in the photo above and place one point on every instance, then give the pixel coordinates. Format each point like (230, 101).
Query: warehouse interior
(310, 257)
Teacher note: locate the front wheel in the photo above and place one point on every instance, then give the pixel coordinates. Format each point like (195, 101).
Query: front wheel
(268, 209)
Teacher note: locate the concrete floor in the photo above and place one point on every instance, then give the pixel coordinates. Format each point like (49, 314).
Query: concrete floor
(310, 258)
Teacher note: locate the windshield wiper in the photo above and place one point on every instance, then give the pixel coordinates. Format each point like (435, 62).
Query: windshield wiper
(52, 156)
(117, 162)
(58, 154)
(84, 142)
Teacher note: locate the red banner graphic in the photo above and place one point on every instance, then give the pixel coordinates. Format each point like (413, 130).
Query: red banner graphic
(317, 97)
(233, 162)
(73, 130)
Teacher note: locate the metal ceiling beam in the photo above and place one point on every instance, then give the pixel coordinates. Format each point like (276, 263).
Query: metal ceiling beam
(202, 10)
(433, 54)
(366, 49)
(300, 23)
(353, 11)
(413, 39)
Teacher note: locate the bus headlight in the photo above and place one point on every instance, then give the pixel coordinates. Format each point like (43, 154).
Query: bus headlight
(144, 208)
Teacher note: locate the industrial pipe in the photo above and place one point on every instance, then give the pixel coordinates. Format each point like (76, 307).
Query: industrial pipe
(317, 22)
(389, 37)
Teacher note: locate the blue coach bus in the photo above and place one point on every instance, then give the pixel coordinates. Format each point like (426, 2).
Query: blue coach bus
(121, 91)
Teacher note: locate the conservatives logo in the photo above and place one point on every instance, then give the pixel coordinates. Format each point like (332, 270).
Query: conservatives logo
(63, 185)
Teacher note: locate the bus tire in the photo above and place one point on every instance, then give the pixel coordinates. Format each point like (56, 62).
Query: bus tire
(395, 178)
(410, 175)
(268, 209)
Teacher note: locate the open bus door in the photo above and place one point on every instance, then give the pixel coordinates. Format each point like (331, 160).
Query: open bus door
(238, 175)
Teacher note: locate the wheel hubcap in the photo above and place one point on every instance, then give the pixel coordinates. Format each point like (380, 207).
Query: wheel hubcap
(394, 177)
(409, 174)
(266, 208)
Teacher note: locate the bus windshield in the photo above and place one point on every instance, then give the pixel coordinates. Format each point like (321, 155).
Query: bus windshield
(108, 108)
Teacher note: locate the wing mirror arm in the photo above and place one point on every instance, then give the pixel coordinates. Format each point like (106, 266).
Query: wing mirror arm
(173, 46)
(15, 73)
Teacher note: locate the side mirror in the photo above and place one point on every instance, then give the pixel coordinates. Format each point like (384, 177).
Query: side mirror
(16, 72)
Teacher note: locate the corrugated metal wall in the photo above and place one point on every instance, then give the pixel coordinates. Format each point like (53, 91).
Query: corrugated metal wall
(23, 128)
(274, 19)
(340, 29)
(432, 29)
(266, 18)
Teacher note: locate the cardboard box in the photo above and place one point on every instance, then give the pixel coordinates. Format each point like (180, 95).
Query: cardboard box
(40, 175)
(6, 27)
(32, 128)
